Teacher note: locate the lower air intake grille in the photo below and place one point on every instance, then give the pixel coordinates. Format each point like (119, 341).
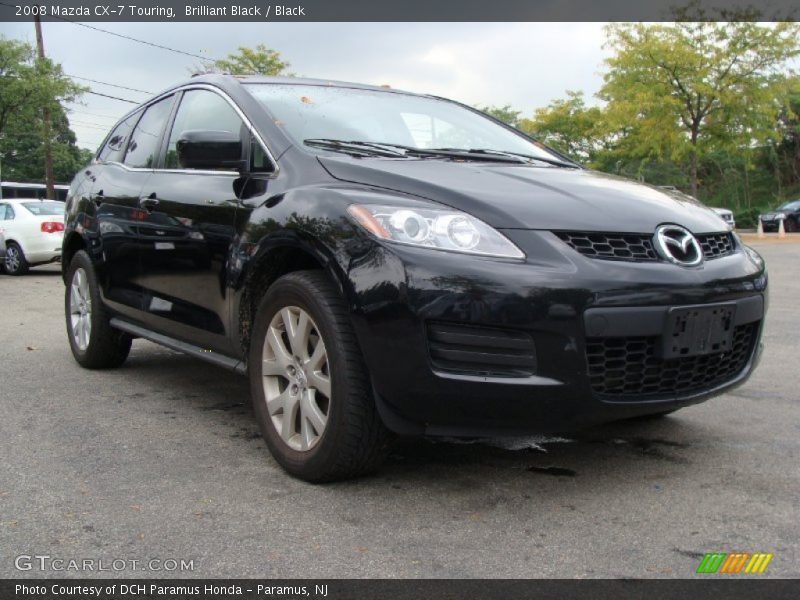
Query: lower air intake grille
(627, 368)
(474, 350)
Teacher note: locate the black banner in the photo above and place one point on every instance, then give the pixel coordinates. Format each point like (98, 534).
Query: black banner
(427, 589)
(408, 10)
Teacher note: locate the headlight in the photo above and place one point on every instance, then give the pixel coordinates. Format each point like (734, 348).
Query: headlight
(433, 228)
(754, 256)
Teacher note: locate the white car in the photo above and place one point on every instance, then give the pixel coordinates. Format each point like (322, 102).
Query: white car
(33, 230)
(727, 215)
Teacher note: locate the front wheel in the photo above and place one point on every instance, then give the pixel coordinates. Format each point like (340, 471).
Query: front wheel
(94, 343)
(310, 388)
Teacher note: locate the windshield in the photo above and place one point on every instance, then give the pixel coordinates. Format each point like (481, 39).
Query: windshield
(45, 208)
(333, 113)
(794, 205)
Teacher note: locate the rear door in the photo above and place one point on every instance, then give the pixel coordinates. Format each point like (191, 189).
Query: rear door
(190, 230)
(116, 194)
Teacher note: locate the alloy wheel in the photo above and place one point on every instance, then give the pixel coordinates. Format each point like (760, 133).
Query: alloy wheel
(297, 382)
(80, 308)
(12, 259)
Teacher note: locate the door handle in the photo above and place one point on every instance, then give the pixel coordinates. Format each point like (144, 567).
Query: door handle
(148, 202)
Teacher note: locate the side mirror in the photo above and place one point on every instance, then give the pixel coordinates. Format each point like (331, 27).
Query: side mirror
(207, 149)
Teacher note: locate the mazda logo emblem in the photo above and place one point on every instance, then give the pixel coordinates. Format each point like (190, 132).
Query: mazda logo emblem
(678, 245)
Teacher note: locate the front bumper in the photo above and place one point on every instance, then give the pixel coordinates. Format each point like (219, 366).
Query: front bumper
(554, 298)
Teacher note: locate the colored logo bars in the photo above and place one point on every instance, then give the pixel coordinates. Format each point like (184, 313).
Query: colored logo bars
(734, 562)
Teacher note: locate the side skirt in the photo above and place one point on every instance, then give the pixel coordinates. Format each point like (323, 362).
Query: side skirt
(196, 351)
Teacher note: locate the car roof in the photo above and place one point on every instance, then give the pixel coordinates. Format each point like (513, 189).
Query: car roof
(228, 81)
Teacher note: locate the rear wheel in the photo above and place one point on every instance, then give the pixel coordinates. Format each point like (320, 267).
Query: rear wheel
(790, 225)
(310, 388)
(94, 343)
(15, 263)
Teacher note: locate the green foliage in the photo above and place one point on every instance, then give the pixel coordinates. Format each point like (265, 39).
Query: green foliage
(28, 86)
(569, 126)
(684, 90)
(250, 61)
(506, 114)
(23, 150)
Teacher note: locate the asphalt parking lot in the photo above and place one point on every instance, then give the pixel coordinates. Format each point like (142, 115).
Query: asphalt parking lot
(162, 459)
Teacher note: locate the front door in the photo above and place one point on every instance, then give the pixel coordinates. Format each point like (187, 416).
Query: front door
(187, 240)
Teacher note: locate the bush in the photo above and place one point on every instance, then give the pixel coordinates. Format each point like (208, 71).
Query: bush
(748, 217)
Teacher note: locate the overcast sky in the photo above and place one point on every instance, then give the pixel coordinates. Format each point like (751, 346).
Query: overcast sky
(523, 64)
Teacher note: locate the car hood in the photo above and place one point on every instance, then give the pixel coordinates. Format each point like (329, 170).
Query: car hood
(509, 196)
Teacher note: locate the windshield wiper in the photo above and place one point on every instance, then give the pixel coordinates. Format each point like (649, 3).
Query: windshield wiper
(387, 149)
(524, 158)
(356, 147)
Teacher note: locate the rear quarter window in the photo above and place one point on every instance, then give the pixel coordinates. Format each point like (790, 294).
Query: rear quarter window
(114, 148)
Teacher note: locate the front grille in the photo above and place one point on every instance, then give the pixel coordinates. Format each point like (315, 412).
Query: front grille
(481, 350)
(715, 245)
(637, 246)
(628, 369)
(619, 246)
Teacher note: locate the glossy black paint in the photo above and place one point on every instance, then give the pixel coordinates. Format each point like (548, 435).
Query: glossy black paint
(188, 255)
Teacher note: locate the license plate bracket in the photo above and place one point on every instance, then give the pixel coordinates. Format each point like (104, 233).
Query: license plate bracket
(698, 330)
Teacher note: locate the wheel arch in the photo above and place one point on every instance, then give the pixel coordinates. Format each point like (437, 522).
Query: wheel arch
(72, 244)
(272, 261)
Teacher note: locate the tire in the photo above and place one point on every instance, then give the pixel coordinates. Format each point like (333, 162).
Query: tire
(353, 440)
(15, 262)
(102, 346)
(789, 225)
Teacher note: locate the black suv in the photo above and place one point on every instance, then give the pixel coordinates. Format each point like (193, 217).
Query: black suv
(789, 213)
(378, 261)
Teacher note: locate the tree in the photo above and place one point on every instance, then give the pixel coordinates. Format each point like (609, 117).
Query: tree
(569, 126)
(250, 61)
(28, 85)
(505, 113)
(23, 151)
(684, 90)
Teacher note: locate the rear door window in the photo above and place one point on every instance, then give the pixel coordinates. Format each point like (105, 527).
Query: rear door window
(6, 212)
(145, 144)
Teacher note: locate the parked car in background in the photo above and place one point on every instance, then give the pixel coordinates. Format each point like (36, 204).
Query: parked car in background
(34, 230)
(379, 261)
(727, 216)
(789, 213)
